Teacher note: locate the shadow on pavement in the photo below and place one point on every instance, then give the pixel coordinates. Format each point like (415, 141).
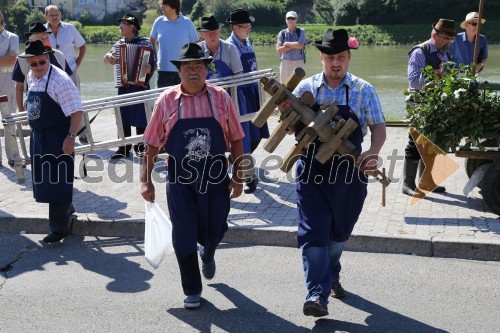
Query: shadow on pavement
(247, 316)
(126, 276)
(379, 319)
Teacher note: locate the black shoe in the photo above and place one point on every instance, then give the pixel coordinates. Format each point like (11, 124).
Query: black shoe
(121, 153)
(54, 237)
(431, 186)
(337, 290)
(315, 309)
(208, 269)
(251, 186)
(83, 139)
(140, 149)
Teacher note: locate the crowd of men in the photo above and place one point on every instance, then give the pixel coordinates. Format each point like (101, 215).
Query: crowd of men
(197, 125)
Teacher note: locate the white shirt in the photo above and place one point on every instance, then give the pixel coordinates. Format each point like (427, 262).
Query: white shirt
(66, 40)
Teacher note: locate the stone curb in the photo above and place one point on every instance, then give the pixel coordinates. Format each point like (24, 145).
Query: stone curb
(275, 236)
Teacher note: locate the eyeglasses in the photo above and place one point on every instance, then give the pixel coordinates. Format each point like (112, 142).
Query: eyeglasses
(474, 24)
(40, 63)
(448, 39)
(291, 18)
(244, 27)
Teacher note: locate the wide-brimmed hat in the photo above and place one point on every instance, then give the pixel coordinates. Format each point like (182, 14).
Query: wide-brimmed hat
(292, 14)
(472, 16)
(335, 41)
(191, 52)
(35, 48)
(446, 26)
(36, 27)
(130, 19)
(209, 24)
(239, 16)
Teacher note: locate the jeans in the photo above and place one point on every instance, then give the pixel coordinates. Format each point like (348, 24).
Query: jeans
(321, 268)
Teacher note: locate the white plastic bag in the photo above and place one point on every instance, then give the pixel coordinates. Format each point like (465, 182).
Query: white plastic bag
(157, 234)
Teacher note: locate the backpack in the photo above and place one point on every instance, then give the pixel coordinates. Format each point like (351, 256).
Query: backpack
(299, 30)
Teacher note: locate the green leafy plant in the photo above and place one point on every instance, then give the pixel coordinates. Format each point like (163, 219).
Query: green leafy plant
(452, 106)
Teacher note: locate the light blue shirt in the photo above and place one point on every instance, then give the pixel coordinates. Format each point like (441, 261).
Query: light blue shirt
(463, 51)
(171, 37)
(292, 37)
(363, 98)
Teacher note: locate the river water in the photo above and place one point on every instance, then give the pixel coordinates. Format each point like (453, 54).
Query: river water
(383, 66)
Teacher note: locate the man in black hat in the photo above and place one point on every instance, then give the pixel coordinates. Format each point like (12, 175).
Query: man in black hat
(132, 115)
(226, 59)
(331, 195)
(54, 113)
(432, 52)
(36, 31)
(241, 26)
(196, 123)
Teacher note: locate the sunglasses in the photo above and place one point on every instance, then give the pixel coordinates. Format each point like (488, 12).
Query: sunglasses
(474, 24)
(291, 18)
(40, 63)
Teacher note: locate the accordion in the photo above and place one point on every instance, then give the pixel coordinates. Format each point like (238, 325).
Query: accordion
(130, 59)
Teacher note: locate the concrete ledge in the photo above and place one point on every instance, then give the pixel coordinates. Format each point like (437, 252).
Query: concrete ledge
(456, 248)
(381, 243)
(274, 236)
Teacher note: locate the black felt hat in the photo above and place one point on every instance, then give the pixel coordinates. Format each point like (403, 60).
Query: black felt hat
(446, 26)
(191, 52)
(209, 24)
(335, 41)
(239, 16)
(130, 19)
(35, 28)
(35, 48)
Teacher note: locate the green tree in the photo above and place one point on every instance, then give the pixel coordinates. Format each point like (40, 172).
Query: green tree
(17, 17)
(198, 10)
(323, 11)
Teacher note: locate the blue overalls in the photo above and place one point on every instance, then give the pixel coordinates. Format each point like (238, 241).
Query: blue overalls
(330, 197)
(252, 104)
(52, 170)
(223, 70)
(197, 192)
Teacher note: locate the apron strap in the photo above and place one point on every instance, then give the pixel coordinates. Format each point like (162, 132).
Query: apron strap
(48, 78)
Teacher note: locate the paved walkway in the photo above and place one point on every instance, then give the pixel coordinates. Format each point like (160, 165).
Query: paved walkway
(108, 203)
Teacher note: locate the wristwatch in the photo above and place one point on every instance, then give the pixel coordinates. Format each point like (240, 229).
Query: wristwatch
(72, 135)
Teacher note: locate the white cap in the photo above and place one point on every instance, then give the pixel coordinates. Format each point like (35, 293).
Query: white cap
(291, 14)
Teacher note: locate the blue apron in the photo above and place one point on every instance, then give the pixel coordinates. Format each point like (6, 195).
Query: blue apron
(52, 170)
(252, 103)
(223, 70)
(133, 115)
(330, 196)
(197, 187)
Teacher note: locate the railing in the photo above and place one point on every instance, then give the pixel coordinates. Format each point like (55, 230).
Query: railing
(147, 97)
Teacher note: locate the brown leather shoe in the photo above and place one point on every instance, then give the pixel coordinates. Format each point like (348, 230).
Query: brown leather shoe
(337, 290)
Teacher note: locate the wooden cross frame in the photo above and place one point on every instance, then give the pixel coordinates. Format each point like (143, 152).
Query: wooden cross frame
(317, 125)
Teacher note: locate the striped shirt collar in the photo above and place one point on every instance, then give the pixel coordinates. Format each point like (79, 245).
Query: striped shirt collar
(179, 91)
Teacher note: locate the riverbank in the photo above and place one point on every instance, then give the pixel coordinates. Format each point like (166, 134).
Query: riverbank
(366, 34)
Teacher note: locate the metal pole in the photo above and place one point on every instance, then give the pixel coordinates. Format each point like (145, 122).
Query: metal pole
(476, 45)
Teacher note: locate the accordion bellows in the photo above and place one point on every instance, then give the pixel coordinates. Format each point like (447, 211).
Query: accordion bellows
(130, 60)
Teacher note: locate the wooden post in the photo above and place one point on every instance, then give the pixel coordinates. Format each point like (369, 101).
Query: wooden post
(476, 45)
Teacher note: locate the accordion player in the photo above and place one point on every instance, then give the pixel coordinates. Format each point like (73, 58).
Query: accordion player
(130, 60)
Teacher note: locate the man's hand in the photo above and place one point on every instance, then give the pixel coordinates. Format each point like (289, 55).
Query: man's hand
(367, 162)
(235, 187)
(109, 58)
(148, 191)
(68, 145)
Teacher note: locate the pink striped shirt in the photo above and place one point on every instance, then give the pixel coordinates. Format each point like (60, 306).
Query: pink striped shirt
(165, 113)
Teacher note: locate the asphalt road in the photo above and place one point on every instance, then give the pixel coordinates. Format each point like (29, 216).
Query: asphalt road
(97, 284)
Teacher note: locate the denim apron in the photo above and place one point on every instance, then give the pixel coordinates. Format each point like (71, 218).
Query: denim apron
(52, 170)
(197, 191)
(252, 104)
(328, 205)
(223, 70)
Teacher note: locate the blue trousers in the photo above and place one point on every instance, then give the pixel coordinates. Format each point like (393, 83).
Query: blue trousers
(321, 268)
(59, 217)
